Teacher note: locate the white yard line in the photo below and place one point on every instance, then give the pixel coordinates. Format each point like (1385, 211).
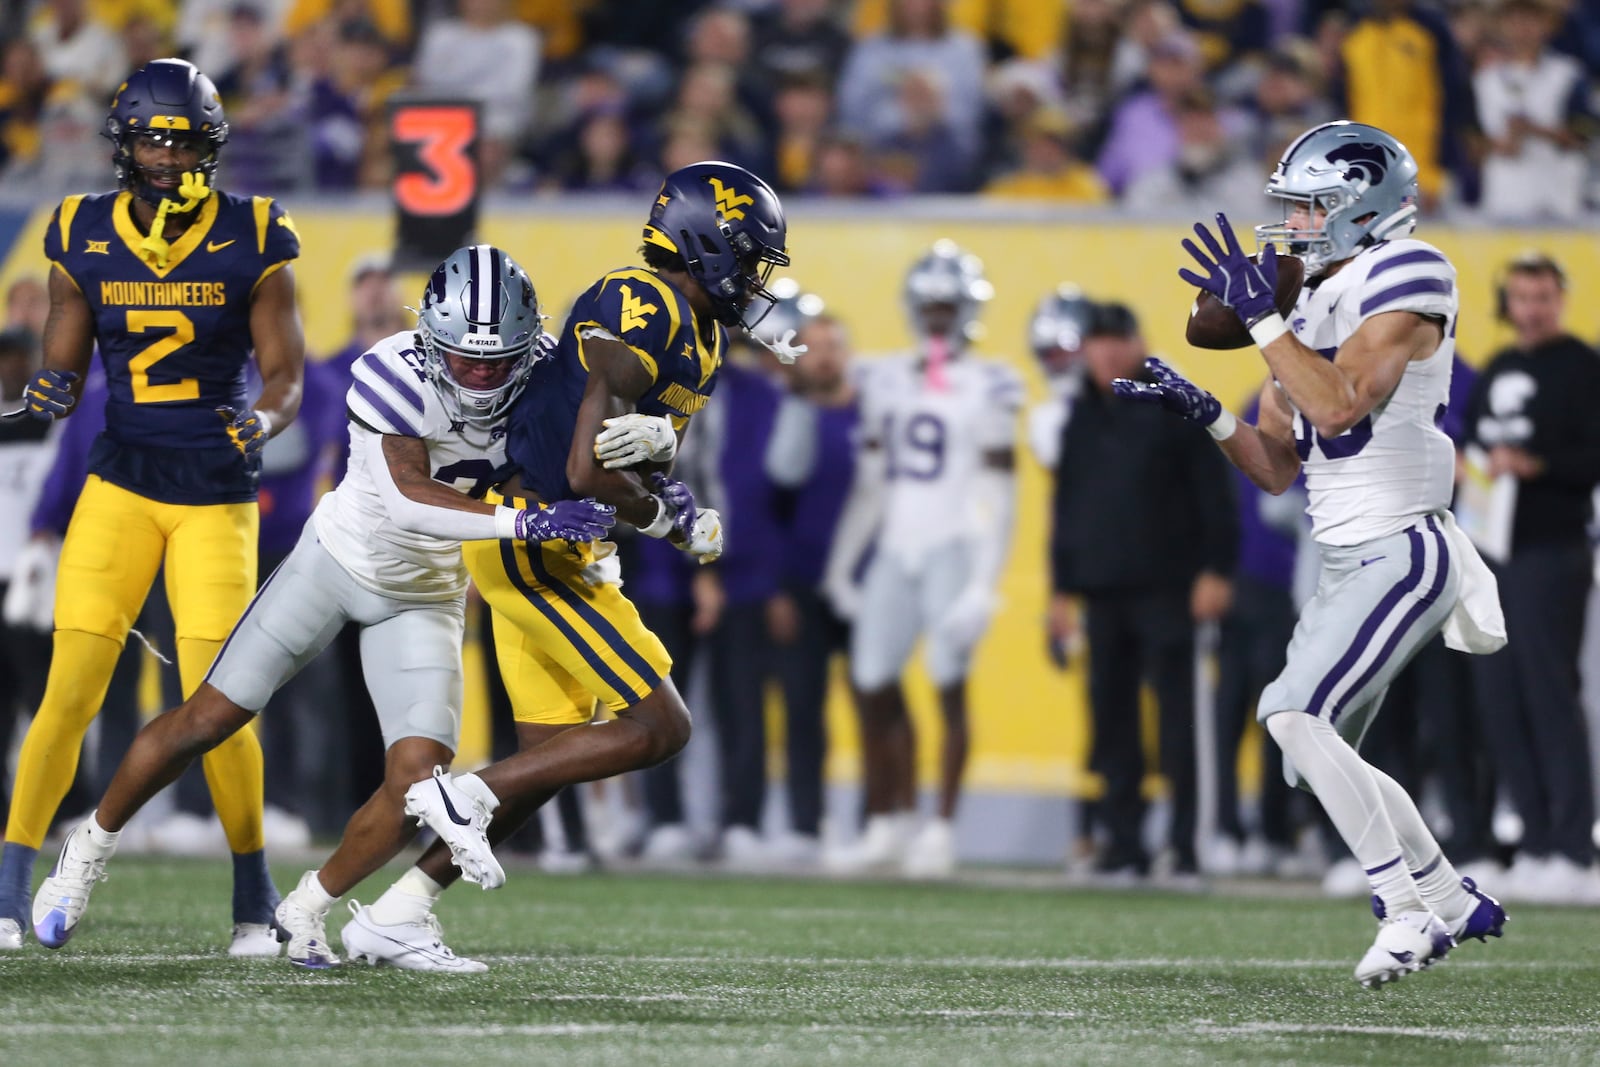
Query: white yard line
(1059, 963)
(266, 967)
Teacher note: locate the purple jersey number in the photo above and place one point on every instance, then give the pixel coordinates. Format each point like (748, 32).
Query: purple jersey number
(1344, 446)
(916, 450)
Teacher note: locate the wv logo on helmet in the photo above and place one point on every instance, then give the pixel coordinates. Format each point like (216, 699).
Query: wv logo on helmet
(729, 201)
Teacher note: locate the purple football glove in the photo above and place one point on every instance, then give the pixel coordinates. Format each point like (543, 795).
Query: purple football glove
(566, 520)
(49, 395)
(1172, 391)
(245, 430)
(680, 500)
(1231, 276)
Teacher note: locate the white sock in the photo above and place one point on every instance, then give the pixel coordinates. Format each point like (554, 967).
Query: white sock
(312, 895)
(474, 787)
(98, 842)
(1438, 883)
(409, 900)
(1349, 793)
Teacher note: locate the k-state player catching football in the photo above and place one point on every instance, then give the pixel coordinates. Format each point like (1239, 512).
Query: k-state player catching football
(1359, 378)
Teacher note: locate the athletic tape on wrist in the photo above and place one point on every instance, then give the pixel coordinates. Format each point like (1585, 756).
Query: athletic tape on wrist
(1268, 330)
(1223, 425)
(505, 523)
(662, 524)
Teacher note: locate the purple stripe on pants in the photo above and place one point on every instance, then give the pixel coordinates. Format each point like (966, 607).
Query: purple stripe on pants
(1441, 569)
(1369, 628)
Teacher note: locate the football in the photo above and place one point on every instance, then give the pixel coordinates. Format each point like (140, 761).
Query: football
(1213, 325)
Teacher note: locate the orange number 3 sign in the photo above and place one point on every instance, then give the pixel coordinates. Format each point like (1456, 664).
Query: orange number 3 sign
(444, 135)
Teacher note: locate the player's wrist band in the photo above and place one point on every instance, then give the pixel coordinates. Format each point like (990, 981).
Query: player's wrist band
(1223, 425)
(662, 524)
(1268, 329)
(507, 523)
(266, 423)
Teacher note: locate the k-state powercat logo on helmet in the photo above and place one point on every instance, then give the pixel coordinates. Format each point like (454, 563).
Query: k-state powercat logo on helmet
(1364, 161)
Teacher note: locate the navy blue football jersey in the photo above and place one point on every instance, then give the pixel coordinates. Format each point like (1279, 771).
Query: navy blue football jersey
(651, 318)
(174, 339)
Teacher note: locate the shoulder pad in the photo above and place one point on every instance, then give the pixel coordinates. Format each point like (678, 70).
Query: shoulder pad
(58, 234)
(276, 238)
(1407, 275)
(389, 393)
(639, 308)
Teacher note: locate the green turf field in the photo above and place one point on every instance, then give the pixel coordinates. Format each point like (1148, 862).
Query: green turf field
(641, 969)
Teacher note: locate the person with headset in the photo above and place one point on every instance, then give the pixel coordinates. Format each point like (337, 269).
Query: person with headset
(1533, 413)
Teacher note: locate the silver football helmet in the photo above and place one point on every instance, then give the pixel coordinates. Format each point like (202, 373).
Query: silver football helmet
(792, 308)
(1361, 180)
(947, 276)
(1058, 327)
(480, 305)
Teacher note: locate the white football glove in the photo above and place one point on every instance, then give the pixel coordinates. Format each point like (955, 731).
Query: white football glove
(605, 568)
(634, 438)
(786, 352)
(968, 617)
(705, 538)
(31, 600)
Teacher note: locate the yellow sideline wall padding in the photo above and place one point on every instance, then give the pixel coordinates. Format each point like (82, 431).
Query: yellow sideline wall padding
(1029, 728)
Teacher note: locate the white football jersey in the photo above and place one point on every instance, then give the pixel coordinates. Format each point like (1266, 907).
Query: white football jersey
(934, 439)
(1395, 465)
(390, 395)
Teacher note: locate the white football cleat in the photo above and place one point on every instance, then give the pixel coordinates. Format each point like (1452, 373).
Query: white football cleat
(63, 897)
(409, 946)
(305, 930)
(254, 941)
(566, 861)
(284, 829)
(882, 845)
(669, 843)
(1406, 943)
(744, 850)
(462, 823)
(1346, 879)
(10, 935)
(183, 834)
(932, 852)
(795, 851)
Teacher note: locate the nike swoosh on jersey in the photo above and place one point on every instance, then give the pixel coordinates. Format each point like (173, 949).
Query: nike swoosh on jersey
(213, 246)
(449, 808)
(1374, 559)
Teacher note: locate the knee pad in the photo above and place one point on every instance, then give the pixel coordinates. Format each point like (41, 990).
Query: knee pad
(1288, 729)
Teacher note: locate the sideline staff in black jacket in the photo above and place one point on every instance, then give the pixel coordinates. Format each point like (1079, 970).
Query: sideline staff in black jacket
(1143, 545)
(1534, 412)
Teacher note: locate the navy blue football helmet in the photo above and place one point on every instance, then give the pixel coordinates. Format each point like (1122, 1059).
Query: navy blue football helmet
(167, 99)
(728, 227)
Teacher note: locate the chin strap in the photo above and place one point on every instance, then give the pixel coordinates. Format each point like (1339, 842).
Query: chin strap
(194, 190)
(1402, 223)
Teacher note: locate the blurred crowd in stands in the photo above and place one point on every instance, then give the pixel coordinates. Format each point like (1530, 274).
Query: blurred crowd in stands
(1154, 104)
